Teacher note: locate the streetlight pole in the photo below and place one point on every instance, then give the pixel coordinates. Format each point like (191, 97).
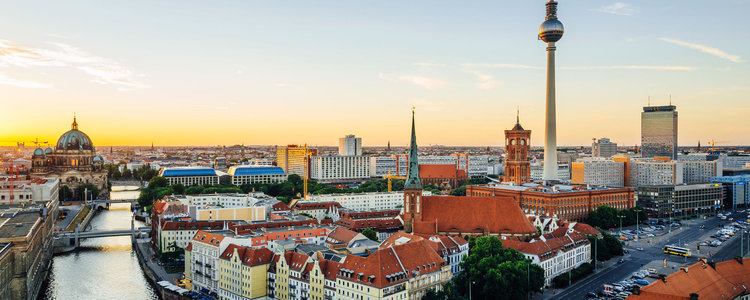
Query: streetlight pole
(470, 284)
(637, 225)
(595, 252)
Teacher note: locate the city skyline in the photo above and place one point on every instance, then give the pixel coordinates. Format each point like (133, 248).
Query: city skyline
(275, 73)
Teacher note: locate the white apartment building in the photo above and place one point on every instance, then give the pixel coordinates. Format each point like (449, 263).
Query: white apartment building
(256, 174)
(556, 255)
(339, 168)
(647, 171)
(224, 200)
(563, 172)
(366, 201)
(475, 165)
(598, 171)
(735, 162)
(350, 145)
(29, 191)
(701, 171)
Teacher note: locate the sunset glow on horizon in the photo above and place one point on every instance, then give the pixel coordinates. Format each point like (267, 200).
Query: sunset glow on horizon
(260, 73)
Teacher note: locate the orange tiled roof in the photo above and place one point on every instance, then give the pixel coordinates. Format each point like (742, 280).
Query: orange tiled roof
(586, 229)
(208, 238)
(499, 215)
(726, 280)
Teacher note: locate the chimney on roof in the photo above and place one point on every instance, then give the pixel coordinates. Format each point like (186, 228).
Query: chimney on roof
(693, 296)
(663, 278)
(636, 290)
(712, 264)
(739, 259)
(684, 269)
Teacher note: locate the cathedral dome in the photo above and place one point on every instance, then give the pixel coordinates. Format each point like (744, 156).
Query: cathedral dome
(97, 158)
(48, 150)
(74, 140)
(38, 151)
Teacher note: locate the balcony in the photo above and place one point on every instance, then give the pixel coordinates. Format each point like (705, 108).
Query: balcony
(393, 290)
(198, 272)
(208, 266)
(198, 262)
(271, 280)
(292, 286)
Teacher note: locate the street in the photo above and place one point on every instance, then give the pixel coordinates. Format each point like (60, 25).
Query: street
(653, 256)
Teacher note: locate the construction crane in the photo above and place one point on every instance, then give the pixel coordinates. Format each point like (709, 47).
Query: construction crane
(37, 142)
(391, 177)
(307, 173)
(713, 144)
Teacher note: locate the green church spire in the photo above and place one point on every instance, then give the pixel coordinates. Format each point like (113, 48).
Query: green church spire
(412, 179)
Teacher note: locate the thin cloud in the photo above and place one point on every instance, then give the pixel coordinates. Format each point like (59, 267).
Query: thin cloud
(504, 66)
(429, 65)
(706, 49)
(104, 70)
(617, 8)
(425, 82)
(5, 80)
(666, 68)
(486, 81)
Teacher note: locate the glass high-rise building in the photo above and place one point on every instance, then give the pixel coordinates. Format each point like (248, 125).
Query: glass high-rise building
(659, 131)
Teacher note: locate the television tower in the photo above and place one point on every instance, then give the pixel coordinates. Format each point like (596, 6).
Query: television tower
(550, 32)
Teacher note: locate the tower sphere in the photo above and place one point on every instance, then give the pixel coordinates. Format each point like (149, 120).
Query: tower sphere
(551, 31)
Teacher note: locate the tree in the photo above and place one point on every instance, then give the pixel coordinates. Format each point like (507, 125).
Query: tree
(461, 191)
(370, 234)
(80, 191)
(497, 272)
(65, 193)
(158, 182)
(179, 188)
(127, 173)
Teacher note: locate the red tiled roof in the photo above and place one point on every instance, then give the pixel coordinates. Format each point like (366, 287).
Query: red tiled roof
(193, 225)
(315, 205)
(586, 229)
(189, 247)
(726, 280)
(342, 235)
(391, 265)
(208, 238)
(247, 228)
(248, 256)
(375, 224)
(441, 171)
(354, 215)
(391, 240)
(280, 206)
(499, 215)
(548, 248)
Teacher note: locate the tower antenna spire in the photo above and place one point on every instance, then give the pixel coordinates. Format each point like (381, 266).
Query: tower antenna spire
(649, 100)
(75, 124)
(670, 99)
(518, 113)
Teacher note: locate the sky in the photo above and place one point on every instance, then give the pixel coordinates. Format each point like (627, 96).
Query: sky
(286, 72)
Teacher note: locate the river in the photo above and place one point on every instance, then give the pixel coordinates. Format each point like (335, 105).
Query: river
(102, 268)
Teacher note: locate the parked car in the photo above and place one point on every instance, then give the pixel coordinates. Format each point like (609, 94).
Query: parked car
(639, 248)
(641, 282)
(620, 261)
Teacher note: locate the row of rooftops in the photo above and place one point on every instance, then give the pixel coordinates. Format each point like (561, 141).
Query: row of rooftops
(703, 280)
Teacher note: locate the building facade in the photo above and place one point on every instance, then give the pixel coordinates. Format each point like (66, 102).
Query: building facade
(350, 145)
(563, 172)
(29, 191)
(291, 158)
(517, 147)
(700, 171)
(649, 172)
(684, 200)
(340, 168)
(365, 201)
(659, 131)
(598, 171)
(603, 148)
(736, 190)
(188, 176)
(555, 254)
(73, 161)
(565, 202)
(246, 174)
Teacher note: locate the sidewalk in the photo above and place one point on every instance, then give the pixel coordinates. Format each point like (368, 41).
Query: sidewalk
(152, 263)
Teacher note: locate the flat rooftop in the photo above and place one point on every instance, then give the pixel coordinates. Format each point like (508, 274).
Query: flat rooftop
(19, 225)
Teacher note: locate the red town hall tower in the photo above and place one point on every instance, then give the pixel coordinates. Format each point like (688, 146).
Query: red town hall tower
(517, 165)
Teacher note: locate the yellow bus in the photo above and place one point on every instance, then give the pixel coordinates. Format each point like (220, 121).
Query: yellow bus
(674, 250)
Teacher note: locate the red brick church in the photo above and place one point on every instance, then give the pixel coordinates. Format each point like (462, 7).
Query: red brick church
(458, 215)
